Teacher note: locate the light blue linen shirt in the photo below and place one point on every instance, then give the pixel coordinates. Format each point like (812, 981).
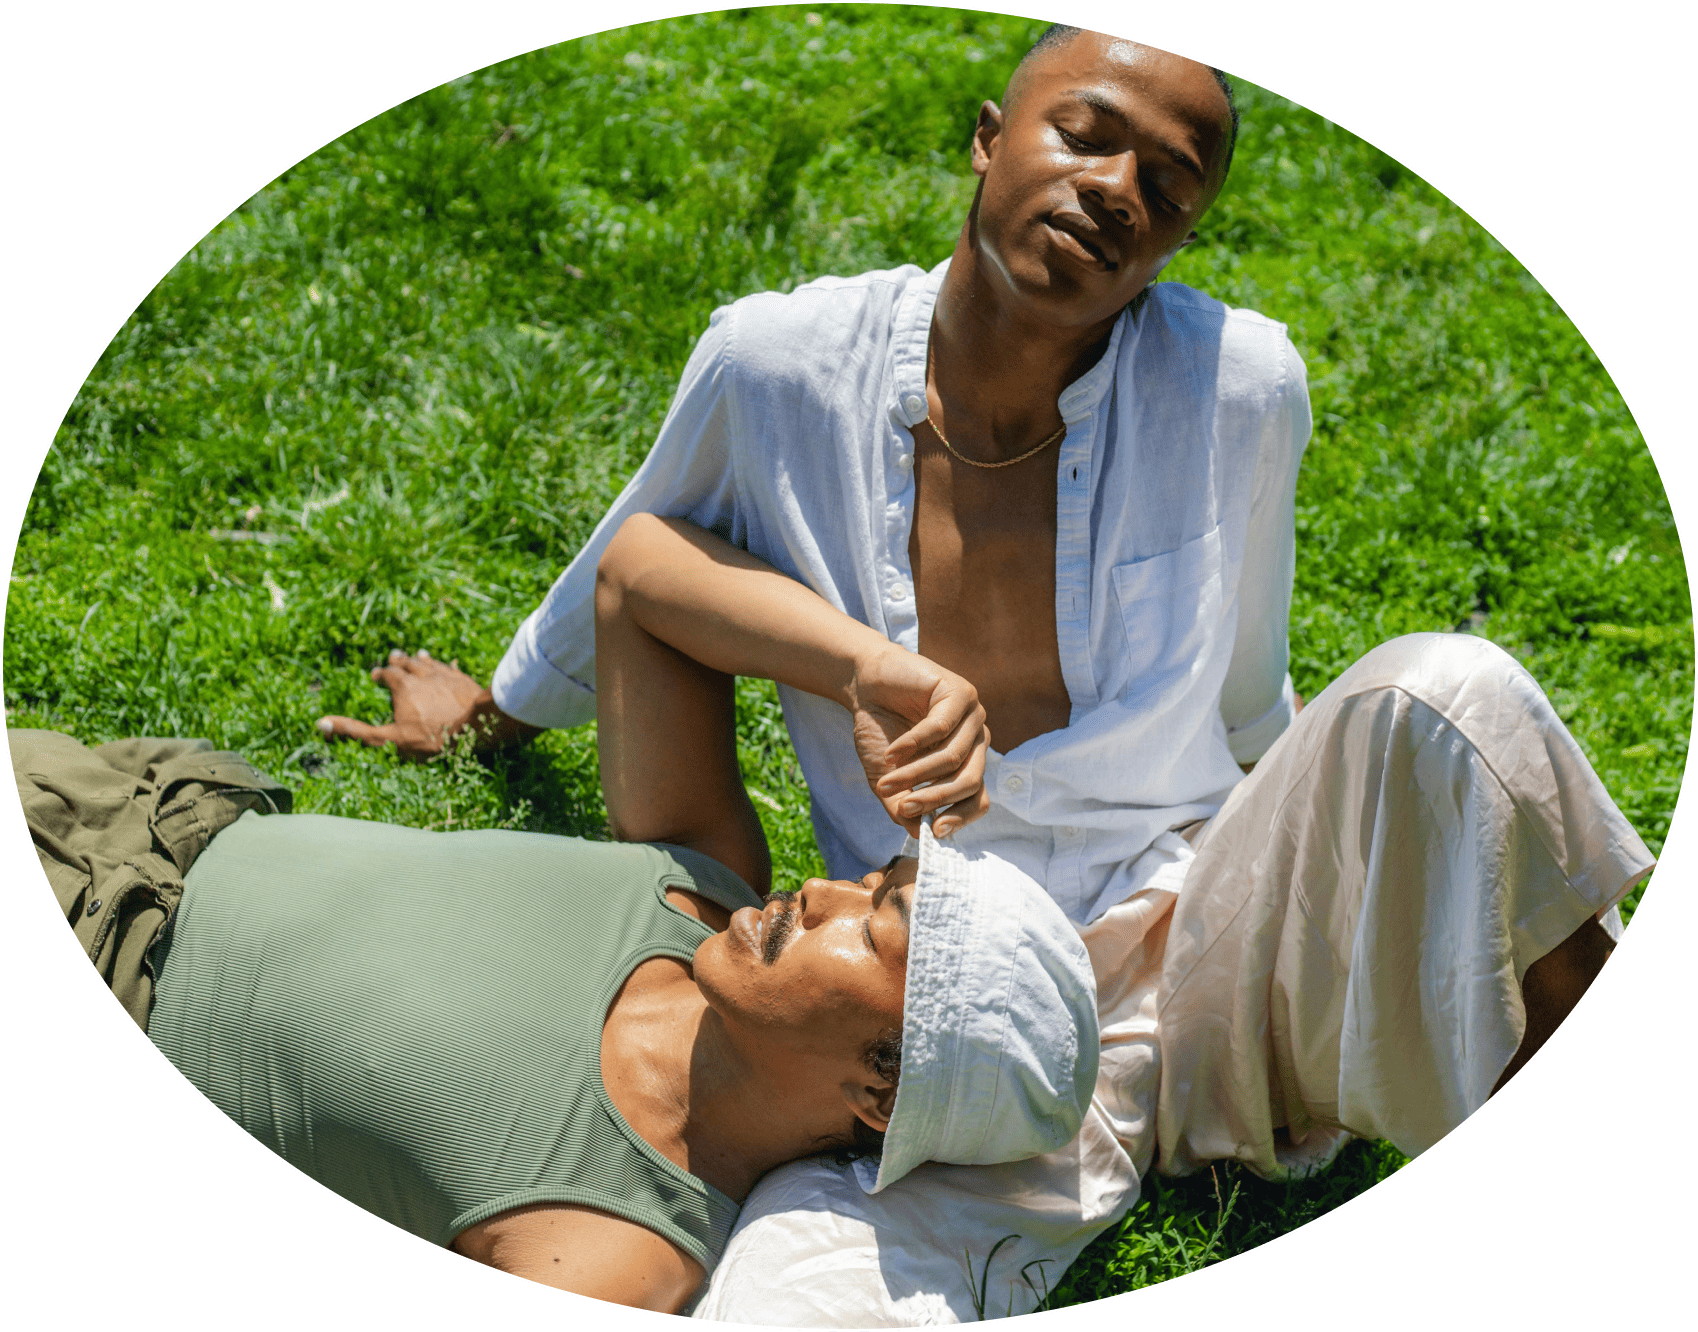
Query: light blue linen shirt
(790, 437)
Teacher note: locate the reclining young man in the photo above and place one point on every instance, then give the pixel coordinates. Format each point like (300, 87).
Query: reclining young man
(572, 1060)
(1075, 486)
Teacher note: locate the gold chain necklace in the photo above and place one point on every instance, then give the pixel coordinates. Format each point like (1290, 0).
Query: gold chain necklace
(1009, 462)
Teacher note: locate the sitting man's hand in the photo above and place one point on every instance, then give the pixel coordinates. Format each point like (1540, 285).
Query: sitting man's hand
(921, 736)
(433, 702)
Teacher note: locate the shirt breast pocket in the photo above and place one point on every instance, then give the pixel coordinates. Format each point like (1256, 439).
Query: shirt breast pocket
(1170, 608)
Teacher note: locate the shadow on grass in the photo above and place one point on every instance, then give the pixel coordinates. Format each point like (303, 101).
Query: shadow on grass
(557, 779)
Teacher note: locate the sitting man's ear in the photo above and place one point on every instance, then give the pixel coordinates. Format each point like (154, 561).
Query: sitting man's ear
(872, 1102)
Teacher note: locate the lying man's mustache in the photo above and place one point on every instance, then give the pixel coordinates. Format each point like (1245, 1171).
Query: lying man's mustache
(778, 929)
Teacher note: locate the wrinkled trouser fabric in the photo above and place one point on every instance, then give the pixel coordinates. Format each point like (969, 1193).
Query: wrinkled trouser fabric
(1369, 906)
(1344, 957)
(116, 827)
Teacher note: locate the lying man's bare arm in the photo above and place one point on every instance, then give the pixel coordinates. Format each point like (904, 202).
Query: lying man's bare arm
(678, 614)
(587, 1252)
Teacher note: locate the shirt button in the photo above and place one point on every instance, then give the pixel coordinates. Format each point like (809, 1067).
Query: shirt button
(1014, 782)
(914, 405)
(904, 461)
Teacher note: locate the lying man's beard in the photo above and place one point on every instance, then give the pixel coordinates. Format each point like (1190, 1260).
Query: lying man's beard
(779, 927)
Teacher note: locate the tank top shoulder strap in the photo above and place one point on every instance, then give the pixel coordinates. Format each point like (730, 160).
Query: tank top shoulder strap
(697, 873)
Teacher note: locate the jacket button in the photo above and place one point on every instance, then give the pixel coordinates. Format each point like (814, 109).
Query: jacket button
(94, 906)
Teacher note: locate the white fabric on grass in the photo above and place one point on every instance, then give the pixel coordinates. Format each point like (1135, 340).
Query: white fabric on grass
(1345, 955)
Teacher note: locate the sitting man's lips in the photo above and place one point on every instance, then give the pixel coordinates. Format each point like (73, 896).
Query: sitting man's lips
(1087, 236)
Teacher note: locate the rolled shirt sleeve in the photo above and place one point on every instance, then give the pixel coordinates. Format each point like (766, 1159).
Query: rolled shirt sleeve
(547, 676)
(1257, 702)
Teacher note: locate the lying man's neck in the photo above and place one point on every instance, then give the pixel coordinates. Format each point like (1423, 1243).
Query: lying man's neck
(686, 1088)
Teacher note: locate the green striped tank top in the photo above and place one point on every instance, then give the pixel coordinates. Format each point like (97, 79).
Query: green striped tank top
(414, 1018)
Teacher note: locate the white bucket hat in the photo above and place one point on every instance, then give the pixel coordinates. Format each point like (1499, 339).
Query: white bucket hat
(999, 1020)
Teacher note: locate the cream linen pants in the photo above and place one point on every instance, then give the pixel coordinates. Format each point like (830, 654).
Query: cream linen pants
(1344, 958)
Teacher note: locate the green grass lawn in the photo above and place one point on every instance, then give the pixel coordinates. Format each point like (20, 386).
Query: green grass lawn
(383, 403)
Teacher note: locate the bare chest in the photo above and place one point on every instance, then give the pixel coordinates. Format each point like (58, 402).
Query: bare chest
(982, 548)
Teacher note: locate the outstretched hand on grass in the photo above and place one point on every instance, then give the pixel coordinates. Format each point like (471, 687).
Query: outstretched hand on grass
(432, 702)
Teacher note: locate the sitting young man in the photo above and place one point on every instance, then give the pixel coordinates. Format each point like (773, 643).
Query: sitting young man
(572, 1060)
